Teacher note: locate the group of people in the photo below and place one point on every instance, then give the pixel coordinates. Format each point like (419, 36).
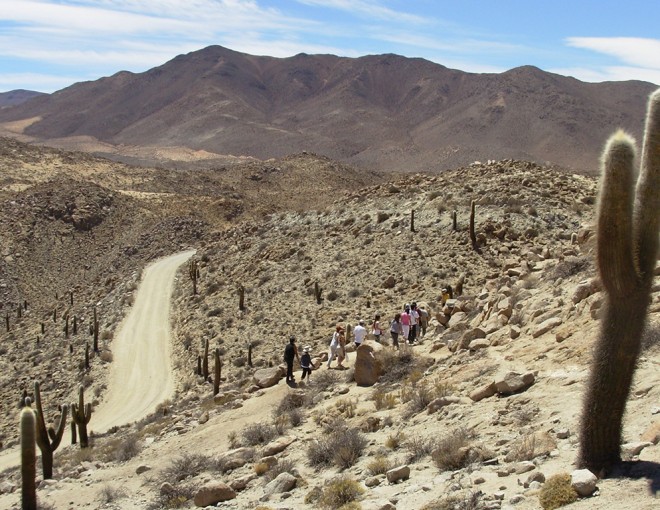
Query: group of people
(409, 325)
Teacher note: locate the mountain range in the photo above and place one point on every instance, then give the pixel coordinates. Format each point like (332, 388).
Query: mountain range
(384, 112)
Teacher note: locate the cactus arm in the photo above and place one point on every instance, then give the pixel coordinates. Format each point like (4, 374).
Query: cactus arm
(42, 432)
(614, 232)
(648, 194)
(56, 435)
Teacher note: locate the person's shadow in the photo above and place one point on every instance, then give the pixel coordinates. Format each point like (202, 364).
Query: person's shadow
(292, 384)
(637, 470)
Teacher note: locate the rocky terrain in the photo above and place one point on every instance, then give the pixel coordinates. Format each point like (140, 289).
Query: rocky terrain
(383, 112)
(479, 414)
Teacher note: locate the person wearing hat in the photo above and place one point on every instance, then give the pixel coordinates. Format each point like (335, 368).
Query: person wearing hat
(290, 353)
(306, 363)
(335, 346)
(359, 333)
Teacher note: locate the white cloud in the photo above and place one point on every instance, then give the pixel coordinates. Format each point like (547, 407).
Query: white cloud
(34, 81)
(634, 51)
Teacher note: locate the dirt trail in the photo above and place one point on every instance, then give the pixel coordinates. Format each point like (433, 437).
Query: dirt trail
(141, 375)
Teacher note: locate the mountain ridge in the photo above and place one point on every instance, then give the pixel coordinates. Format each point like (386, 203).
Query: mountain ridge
(377, 111)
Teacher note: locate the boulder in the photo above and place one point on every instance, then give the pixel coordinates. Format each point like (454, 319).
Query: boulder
(239, 484)
(546, 326)
(584, 482)
(513, 382)
(267, 377)
(457, 318)
(284, 482)
(233, 459)
(504, 307)
(367, 367)
(212, 493)
(652, 433)
(278, 445)
(484, 392)
(479, 343)
(441, 402)
(398, 473)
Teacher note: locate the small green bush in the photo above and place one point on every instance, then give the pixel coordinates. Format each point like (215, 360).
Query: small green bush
(557, 491)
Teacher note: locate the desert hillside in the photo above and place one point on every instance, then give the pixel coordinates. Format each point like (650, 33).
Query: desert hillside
(478, 414)
(383, 112)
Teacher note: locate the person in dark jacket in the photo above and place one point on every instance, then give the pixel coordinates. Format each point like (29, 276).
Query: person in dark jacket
(290, 353)
(306, 364)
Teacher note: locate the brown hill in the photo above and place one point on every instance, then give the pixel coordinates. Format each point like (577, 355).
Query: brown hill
(14, 97)
(380, 111)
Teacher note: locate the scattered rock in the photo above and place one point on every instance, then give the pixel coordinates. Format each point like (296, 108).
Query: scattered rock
(278, 445)
(546, 326)
(484, 392)
(398, 473)
(584, 482)
(367, 368)
(267, 377)
(142, 469)
(284, 482)
(212, 493)
(514, 382)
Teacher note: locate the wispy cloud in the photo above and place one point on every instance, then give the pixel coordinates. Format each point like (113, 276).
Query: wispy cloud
(639, 58)
(44, 81)
(367, 8)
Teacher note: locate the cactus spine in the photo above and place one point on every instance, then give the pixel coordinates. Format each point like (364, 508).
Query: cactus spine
(48, 439)
(627, 247)
(28, 428)
(81, 414)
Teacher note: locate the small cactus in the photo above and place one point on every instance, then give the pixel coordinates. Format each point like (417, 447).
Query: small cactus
(28, 430)
(81, 414)
(454, 221)
(412, 220)
(48, 439)
(627, 248)
(249, 355)
(318, 293)
(205, 360)
(96, 331)
(241, 298)
(193, 273)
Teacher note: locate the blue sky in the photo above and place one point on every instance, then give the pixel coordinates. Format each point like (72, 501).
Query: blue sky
(47, 45)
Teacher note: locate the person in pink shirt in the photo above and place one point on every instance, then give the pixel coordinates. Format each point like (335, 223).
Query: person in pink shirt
(405, 323)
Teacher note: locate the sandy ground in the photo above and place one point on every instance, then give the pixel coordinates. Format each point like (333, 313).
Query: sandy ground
(141, 376)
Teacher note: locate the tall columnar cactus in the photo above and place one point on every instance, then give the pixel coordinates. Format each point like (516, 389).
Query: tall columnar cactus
(318, 293)
(7, 322)
(454, 221)
(48, 439)
(217, 372)
(81, 414)
(627, 248)
(28, 430)
(241, 298)
(249, 360)
(193, 273)
(205, 360)
(412, 220)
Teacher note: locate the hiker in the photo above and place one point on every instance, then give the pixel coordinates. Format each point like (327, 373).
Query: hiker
(290, 352)
(405, 322)
(414, 320)
(341, 351)
(375, 328)
(306, 364)
(423, 320)
(396, 330)
(359, 333)
(334, 344)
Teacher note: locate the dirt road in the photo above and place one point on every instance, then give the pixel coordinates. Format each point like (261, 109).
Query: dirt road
(141, 375)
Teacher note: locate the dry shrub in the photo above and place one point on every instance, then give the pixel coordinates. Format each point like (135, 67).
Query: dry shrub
(453, 451)
(260, 468)
(340, 492)
(325, 380)
(177, 497)
(258, 433)
(462, 501)
(379, 465)
(108, 494)
(557, 491)
(346, 407)
(396, 366)
(395, 441)
(341, 448)
(523, 449)
(292, 400)
(383, 399)
(186, 465)
(128, 448)
(418, 447)
(283, 466)
(106, 356)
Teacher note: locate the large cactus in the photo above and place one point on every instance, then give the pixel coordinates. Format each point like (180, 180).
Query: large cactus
(48, 439)
(28, 459)
(627, 244)
(81, 414)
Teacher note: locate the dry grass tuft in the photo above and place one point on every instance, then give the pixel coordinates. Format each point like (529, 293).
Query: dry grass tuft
(340, 492)
(557, 491)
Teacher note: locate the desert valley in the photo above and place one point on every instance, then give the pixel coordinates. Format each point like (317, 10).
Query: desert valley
(164, 234)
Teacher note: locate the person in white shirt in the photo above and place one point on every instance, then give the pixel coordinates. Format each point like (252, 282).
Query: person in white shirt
(414, 321)
(359, 333)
